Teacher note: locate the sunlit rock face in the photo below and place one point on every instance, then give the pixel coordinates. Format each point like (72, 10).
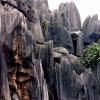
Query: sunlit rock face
(43, 9)
(91, 26)
(68, 15)
(24, 9)
(32, 14)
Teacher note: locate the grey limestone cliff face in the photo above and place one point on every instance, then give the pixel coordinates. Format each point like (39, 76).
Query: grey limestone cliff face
(61, 37)
(41, 66)
(90, 26)
(64, 24)
(68, 15)
(17, 39)
(42, 9)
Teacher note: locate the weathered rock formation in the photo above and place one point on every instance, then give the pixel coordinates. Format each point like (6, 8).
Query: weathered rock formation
(65, 27)
(37, 64)
(68, 16)
(42, 9)
(61, 37)
(90, 26)
(22, 77)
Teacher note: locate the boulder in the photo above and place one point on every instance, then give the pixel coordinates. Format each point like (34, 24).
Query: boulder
(61, 50)
(57, 55)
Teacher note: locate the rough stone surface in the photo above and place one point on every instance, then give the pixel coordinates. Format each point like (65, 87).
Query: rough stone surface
(91, 25)
(77, 38)
(32, 69)
(61, 37)
(61, 50)
(68, 16)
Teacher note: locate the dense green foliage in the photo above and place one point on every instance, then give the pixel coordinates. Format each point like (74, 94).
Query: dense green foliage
(91, 56)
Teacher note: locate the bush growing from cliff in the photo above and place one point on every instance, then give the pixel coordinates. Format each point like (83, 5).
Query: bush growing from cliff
(44, 26)
(91, 56)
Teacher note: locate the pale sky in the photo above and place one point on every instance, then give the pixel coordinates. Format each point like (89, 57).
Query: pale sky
(85, 7)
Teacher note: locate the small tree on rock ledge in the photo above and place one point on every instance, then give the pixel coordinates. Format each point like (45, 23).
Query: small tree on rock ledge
(91, 56)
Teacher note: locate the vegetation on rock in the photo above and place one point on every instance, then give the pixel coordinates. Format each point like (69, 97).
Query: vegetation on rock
(91, 56)
(44, 26)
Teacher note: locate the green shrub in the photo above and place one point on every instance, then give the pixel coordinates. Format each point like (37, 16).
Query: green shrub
(91, 56)
(44, 26)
